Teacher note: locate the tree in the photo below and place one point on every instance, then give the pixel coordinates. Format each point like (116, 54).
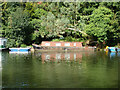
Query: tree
(100, 24)
(31, 22)
(19, 29)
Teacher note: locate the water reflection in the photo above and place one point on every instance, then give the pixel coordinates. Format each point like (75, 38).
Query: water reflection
(61, 56)
(59, 70)
(118, 54)
(0, 70)
(113, 54)
(0, 60)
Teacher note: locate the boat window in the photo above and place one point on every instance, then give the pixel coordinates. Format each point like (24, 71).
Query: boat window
(67, 44)
(58, 44)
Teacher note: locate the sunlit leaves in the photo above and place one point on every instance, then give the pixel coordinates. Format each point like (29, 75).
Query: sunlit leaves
(46, 20)
(100, 23)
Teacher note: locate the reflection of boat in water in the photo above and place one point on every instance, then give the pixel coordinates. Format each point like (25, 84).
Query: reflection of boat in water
(113, 54)
(118, 54)
(63, 56)
(19, 50)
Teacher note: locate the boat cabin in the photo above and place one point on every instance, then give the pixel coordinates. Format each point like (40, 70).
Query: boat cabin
(61, 44)
(3, 42)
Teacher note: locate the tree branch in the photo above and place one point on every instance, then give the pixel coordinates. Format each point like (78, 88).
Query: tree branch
(78, 31)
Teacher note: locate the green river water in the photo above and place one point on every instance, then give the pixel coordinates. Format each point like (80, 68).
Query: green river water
(60, 70)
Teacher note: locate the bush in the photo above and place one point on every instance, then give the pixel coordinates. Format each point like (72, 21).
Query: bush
(23, 45)
(69, 39)
(56, 40)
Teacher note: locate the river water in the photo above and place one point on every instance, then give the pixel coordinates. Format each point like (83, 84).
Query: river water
(60, 70)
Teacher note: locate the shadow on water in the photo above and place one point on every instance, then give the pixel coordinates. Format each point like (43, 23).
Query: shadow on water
(60, 70)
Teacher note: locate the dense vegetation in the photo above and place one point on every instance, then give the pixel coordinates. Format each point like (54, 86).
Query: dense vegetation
(27, 23)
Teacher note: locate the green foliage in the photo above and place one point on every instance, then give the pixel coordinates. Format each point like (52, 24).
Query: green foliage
(73, 39)
(18, 28)
(11, 43)
(29, 22)
(100, 23)
(23, 45)
(70, 39)
(57, 40)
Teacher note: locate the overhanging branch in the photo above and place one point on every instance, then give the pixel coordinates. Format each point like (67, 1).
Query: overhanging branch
(78, 31)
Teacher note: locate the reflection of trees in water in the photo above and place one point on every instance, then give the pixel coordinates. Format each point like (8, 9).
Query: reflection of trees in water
(4, 55)
(0, 79)
(0, 60)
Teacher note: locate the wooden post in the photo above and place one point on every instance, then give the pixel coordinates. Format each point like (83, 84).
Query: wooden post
(32, 49)
(118, 45)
